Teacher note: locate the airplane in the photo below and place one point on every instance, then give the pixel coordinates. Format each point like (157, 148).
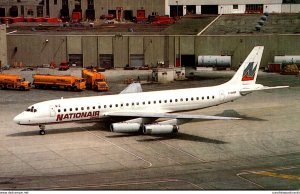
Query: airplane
(151, 113)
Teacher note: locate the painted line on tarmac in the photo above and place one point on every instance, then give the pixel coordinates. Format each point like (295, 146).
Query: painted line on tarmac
(125, 150)
(117, 184)
(182, 151)
(248, 180)
(267, 172)
(283, 176)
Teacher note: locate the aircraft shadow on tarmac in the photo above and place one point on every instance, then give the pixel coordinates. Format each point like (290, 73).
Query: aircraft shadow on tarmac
(55, 131)
(98, 127)
(233, 113)
(183, 136)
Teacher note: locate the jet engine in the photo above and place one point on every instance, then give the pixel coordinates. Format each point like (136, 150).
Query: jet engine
(125, 127)
(160, 129)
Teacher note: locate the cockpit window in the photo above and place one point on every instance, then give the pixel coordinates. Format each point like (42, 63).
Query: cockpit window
(31, 109)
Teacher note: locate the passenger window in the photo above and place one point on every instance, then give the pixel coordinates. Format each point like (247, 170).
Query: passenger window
(197, 98)
(192, 99)
(121, 105)
(132, 104)
(82, 108)
(176, 100)
(207, 97)
(58, 110)
(104, 106)
(186, 99)
(154, 102)
(170, 100)
(99, 107)
(94, 107)
(70, 109)
(117, 105)
(76, 109)
(127, 104)
(34, 110)
(202, 97)
(88, 108)
(149, 102)
(65, 110)
(181, 99)
(144, 103)
(213, 97)
(137, 103)
(159, 101)
(166, 101)
(110, 106)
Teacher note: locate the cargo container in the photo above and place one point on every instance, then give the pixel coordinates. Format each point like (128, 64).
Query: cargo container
(67, 82)
(95, 80)
(10, 81)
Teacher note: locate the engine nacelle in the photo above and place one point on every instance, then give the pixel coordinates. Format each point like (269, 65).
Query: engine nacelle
(160, 129)
(125, 127)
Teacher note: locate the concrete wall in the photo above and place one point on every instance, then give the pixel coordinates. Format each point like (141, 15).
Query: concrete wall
(35, 50)
(3, 43)
(240, 46)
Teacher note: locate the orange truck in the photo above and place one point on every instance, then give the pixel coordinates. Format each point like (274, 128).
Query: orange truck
(10, 81)
(95, 80)
(67, 82)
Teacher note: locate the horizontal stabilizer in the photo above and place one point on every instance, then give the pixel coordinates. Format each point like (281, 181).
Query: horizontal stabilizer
(168, 115)
(247, 91)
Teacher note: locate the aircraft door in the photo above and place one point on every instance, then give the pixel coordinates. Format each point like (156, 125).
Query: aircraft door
(52, 111)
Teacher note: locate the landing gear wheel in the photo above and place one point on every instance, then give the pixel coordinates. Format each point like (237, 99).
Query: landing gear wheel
(42, 132)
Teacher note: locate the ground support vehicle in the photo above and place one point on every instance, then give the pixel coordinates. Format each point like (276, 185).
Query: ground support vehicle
(95, 80)
(11, 81)
(67, 82)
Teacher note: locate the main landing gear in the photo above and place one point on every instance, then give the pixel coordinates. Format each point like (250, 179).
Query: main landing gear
(42, 131)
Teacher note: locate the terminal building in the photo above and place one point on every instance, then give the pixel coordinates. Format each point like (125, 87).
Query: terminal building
(94, 9)
(181, 44)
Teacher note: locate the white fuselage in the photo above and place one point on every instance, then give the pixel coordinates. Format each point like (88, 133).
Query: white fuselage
(86, 108)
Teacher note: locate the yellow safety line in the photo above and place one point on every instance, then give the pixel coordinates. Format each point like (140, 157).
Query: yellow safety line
(284, 176)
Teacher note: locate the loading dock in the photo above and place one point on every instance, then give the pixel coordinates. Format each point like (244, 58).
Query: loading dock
(137, 60)
(128, 14)
(90, 14)
(209, 9)
(106, 61)
(76, 60)
(254, 8)
(112, 12)
(2, 12)
(190, 9)
(188, 60)
(176, 10)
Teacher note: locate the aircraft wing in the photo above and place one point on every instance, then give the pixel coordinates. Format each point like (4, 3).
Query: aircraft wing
(168, 115)
(132, 88)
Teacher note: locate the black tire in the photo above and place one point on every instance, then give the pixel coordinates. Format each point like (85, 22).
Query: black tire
(42, 132)
(22, 88)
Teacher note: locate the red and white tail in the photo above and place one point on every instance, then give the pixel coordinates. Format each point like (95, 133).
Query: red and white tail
(247, 73)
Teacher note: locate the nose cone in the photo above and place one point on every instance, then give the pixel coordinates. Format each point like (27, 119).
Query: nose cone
(17, 119)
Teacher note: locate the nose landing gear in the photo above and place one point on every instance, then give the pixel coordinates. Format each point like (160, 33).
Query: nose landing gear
(42, 131)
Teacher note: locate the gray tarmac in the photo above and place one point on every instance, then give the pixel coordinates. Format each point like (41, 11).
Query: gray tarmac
(261, 151)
